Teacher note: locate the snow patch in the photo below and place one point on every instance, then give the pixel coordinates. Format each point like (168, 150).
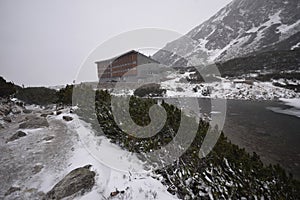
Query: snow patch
(291, 102)
(225, 89)
(295, 46)
(273, 19)
(135, 185)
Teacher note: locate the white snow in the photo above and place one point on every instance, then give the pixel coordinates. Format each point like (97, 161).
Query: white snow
(287, 30)
(75, 145)
(273, 19)
(177, 86)
(228, 89)
(32, 107)
(104, 157)
(292, 102)
(287, 81)
(290, 111)
(295, 46)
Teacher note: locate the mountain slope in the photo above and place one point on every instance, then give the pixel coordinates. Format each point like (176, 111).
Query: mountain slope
(240, 28)
(273, 62)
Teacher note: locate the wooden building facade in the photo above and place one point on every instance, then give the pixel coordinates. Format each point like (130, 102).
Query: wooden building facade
(122, 66)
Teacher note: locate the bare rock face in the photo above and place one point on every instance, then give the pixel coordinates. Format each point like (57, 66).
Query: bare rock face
(239, 29)
(16, 136)
(36, 122)
(78, 180)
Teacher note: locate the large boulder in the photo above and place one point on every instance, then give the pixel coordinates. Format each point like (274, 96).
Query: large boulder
(36, 122)
(16, 136)
(78, 180)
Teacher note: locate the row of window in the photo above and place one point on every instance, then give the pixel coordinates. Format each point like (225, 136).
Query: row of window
(124, 64)
(116, 72)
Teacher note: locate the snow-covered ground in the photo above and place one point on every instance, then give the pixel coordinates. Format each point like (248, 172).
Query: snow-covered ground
(286, 82)
(228, 89)
(292, 102)
(105, 158)
(241, 89)
(73, 144)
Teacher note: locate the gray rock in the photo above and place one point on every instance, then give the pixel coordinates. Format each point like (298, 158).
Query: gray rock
(12, 190)
(37, 169)
(7, 119)
(67, 118)
(230, 31)
(48, 138)
(36, 122)
(15, 111)
(27, 111)
(78, 180)
(16, 136)
(46, 114)
(58, 112)
(5, 109)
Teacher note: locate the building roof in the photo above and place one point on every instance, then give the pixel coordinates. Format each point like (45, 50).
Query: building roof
(126, 53)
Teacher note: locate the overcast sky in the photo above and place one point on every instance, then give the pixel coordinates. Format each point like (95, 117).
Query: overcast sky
(45, 42)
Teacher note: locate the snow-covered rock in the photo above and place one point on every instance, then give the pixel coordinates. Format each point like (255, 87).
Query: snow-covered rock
(225, 89)
(81, 179)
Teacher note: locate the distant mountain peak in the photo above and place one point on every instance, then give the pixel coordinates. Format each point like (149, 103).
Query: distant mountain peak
(240, 28)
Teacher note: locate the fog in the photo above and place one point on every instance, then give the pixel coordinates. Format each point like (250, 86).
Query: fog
(46, 42)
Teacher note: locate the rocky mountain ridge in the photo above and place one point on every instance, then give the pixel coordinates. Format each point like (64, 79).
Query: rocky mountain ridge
(241, 28)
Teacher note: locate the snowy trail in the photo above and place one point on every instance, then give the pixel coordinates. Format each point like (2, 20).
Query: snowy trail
(105, 158)
(34, 165)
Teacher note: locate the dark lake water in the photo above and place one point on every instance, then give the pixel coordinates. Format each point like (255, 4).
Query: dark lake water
(254, 126)
(274, 136)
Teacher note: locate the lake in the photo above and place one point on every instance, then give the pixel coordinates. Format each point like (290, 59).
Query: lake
(262, 127)
(274, 136)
